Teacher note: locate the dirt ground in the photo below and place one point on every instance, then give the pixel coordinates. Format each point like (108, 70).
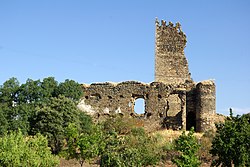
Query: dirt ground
(74, 163)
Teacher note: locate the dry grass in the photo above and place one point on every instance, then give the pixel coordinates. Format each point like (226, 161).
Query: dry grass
(74, 163)
(170, 135)
(165, 139)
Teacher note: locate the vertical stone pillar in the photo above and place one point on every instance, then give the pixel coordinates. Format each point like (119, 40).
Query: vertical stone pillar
(205, 106)
(183, 110)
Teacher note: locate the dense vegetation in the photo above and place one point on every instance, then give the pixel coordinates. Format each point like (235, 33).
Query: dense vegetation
(188, 146)
(117, 142)
(38, 108)
(40, 121)
(231, 145)
(25, 106)
(17, 150)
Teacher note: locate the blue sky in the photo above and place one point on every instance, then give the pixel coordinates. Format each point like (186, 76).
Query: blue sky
(97, 41)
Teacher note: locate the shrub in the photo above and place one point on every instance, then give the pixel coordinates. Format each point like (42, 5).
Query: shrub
(84, 146)
(188, 147)
(231, 143)
(118, 124)
(51, 119)
(134, 149)
(17, 150)
(90, 145)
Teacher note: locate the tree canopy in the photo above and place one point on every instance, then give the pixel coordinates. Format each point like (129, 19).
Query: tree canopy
(231, 144)
(21, 106)
(19, 150)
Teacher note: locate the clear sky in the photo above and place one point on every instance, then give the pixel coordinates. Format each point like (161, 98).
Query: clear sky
(113, 40)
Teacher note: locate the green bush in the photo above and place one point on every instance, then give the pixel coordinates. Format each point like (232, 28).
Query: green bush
(3, 123)
(91, 144)
(17, 150)
(83, 146)
(188, 147)
(118, 124)
(231, 144)
(134, 149)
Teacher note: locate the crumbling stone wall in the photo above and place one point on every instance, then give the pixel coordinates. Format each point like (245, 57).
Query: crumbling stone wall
(173, 101)
(163, 103)
(171, 65)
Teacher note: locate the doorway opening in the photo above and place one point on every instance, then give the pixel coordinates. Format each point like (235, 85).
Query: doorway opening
(191, 121)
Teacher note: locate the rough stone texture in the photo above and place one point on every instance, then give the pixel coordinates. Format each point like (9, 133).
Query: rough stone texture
(173, 101)
(205, 107)
(161, 101)
(171, 65)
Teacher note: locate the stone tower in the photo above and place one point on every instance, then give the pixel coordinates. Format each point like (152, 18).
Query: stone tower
(174, 101)
(205, 105)
(171, 65)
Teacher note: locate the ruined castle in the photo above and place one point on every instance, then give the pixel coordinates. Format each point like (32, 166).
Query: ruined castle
(172, 101)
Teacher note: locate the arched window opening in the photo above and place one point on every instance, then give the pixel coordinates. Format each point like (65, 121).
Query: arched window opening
(139, 107)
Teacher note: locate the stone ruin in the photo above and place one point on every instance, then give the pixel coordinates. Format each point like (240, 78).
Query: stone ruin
(172, 101)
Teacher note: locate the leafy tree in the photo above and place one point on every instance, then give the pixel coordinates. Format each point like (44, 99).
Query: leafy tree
(18, 150)
(231, 144)
(135, 148)
(34, 91)
(85, 122)
(17, 117)
(72, 135)
(52, 118)
(90, 144)
(141, 149)
(14, 118)
(49, 87)
(41, 106)
(84, 146)
(9, 91)
(3, 123)
(188, 147)
(30, 92)
(70, 89)
(113, 151)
